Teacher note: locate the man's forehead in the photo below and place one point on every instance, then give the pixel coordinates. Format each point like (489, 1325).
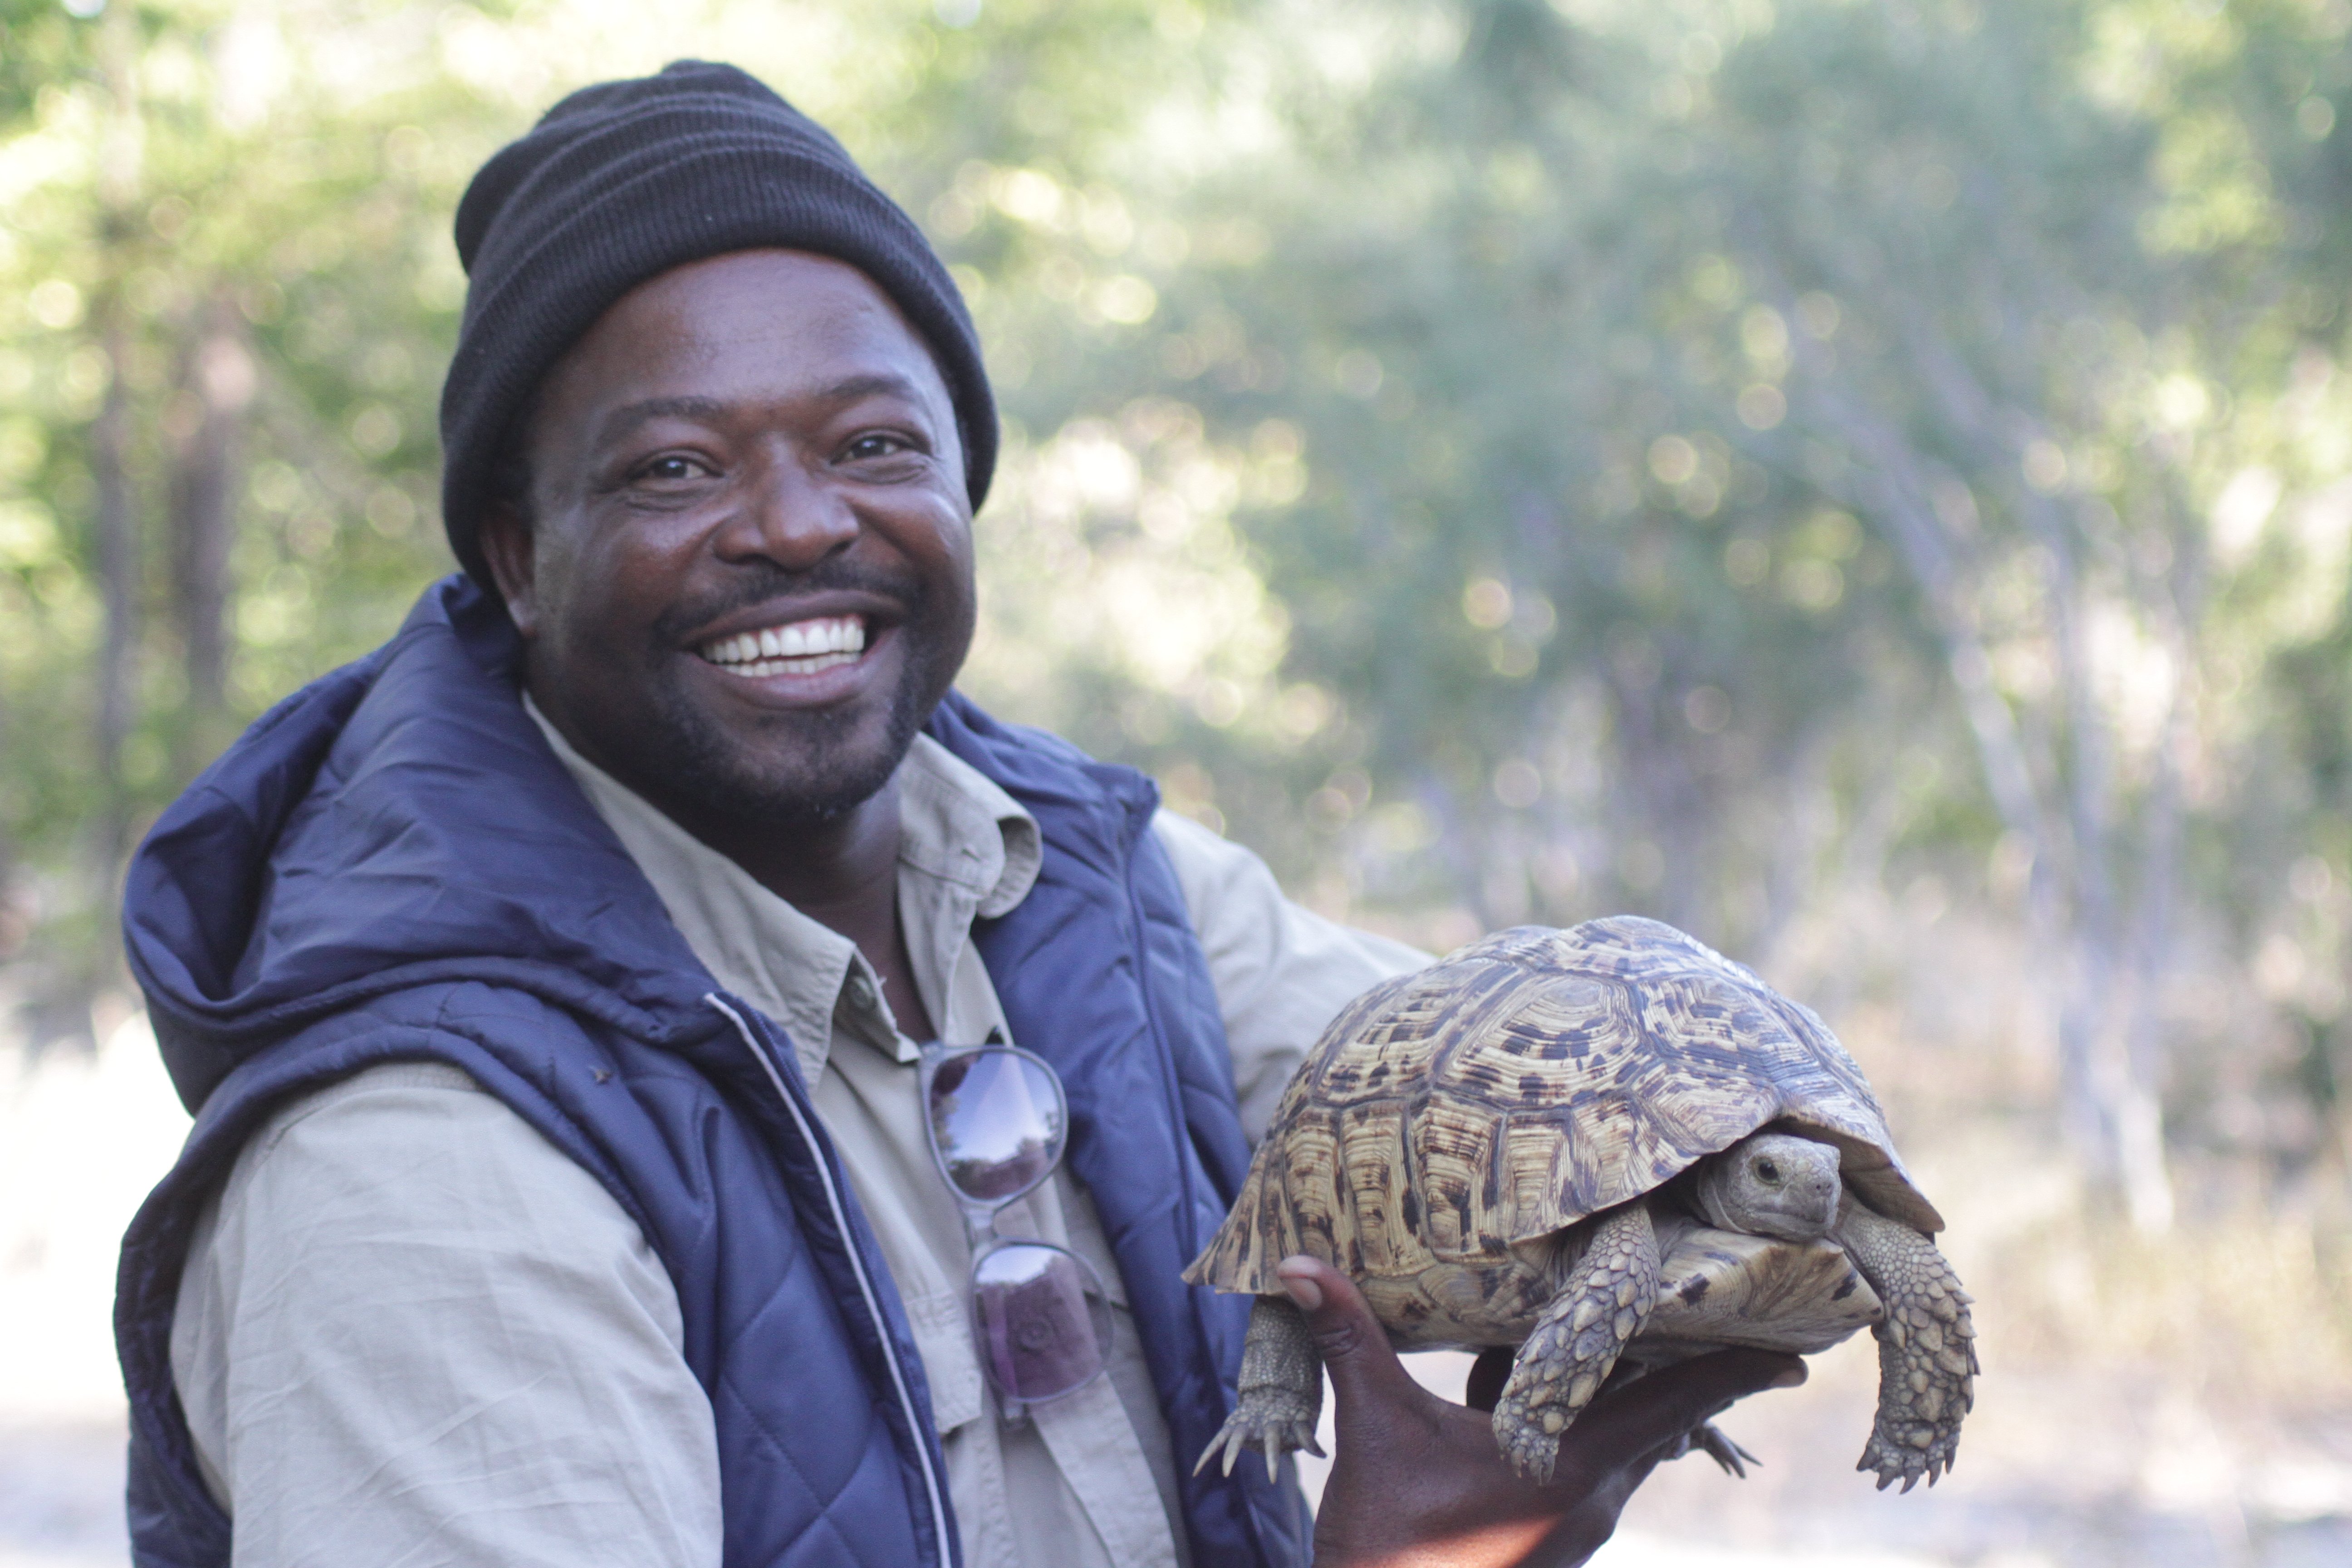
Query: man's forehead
(780, 288)
(756, 318)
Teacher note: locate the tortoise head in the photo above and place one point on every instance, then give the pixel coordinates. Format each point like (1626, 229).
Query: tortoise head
(1772, 1184)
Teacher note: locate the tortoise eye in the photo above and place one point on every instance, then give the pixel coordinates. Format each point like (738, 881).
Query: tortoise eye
(1768, 1169)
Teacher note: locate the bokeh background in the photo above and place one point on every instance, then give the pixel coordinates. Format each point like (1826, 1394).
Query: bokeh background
(1867, 481)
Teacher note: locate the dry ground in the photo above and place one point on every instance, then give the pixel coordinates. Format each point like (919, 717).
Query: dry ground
(2145, 1405)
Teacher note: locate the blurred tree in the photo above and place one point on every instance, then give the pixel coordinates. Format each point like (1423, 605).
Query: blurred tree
(1784, 467)
(176, 176)
(1733, 394)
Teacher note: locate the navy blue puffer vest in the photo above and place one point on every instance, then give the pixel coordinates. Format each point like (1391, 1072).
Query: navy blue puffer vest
(390, 865)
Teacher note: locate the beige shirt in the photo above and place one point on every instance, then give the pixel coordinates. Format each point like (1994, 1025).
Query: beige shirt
(519, 1395)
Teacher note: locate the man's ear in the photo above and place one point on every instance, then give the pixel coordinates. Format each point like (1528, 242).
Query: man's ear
(507, 544)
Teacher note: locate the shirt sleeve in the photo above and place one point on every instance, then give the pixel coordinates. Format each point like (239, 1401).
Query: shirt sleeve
(413, 1331)
(1282, 973)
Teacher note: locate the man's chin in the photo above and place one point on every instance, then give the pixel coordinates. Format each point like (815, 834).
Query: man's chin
(802, 801)
(793, 774)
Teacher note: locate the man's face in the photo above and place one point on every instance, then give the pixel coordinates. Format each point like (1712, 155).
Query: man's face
(747, 577)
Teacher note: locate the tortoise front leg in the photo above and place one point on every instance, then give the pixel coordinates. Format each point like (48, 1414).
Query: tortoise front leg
(1577, 1341)
(1927, 1349)
(1281, 1389)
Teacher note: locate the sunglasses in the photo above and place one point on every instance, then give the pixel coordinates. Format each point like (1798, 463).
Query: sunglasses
(999, 1124)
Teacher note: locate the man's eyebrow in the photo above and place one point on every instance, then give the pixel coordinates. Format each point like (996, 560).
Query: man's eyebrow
(622, 420)
(878, 384)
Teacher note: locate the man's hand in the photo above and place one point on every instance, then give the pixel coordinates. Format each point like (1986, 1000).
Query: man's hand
(1417, 1482)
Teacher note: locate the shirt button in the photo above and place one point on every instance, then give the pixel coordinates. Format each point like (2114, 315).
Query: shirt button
(861, 991)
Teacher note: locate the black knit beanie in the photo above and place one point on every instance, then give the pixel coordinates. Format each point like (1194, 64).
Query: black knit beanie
(620, 182)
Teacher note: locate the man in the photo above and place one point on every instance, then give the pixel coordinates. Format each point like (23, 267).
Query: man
(556, 985)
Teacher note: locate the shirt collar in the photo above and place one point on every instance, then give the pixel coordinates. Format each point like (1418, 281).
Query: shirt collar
(955, 825)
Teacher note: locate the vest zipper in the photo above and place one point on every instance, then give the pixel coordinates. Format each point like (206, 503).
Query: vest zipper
(949, 1554)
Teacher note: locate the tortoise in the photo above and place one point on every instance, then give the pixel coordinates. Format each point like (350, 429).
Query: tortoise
(1610, 1148)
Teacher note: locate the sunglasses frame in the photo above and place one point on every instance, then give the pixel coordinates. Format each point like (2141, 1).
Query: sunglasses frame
(979, 1216)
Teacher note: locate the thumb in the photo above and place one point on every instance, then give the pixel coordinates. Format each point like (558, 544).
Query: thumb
(1354, 1347)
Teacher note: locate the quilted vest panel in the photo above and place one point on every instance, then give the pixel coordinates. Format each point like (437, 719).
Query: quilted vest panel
(699, 1125)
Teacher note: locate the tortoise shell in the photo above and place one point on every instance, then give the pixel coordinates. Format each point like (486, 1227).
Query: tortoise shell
(1526, 1082)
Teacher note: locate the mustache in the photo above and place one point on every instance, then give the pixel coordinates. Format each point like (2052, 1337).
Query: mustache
(759, 584)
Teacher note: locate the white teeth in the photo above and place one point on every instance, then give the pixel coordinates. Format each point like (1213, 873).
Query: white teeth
(792, 666)
(797, 648)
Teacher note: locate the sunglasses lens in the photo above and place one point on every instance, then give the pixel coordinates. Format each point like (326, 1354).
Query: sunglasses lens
(1042, 1320)
(997, 1117)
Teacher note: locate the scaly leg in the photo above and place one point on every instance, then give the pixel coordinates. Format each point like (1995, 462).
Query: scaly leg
(1577, 1341)
(1281, 1389)
(1927, 1349)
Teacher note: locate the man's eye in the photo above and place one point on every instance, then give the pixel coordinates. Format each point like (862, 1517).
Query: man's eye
(876, 446)
(670, 468)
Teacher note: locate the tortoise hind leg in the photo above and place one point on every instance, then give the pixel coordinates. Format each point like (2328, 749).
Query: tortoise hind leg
(1927, 1349)
(1577, 1341)
(1281, 1389)
(1717, 1444)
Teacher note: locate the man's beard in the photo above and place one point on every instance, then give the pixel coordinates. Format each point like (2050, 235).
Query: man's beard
(715, 776)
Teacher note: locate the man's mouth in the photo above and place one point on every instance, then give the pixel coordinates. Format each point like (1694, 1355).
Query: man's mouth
(794, 647)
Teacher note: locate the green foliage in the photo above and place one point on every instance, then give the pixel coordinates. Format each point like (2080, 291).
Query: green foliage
(1503, 459)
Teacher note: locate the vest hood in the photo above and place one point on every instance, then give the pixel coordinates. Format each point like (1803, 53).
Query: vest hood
(395, 823)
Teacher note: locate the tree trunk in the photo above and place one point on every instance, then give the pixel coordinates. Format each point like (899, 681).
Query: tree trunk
(2109, 1054)
(117, 538)
(2140, 1155)
(206, 467)
(116, 524)
(14, 925)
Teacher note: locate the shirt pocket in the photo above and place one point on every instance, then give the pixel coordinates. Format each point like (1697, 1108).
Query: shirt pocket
(943, 1339)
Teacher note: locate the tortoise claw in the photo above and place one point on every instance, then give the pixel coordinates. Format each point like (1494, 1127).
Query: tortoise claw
(1718, 1444)
(1533, 1453)
(1270, 1433)
(1279, 1438)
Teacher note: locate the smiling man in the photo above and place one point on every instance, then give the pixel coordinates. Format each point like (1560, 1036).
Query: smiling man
(596, 1002)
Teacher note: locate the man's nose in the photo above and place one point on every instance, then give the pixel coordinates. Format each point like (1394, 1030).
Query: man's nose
(789, 516)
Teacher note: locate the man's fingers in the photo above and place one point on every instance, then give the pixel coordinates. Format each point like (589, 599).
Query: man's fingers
(1483, 1390)
(1354, 1347)
(1631, 1420)
(1659, 1408)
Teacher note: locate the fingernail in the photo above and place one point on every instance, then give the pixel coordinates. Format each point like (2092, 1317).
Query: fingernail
(1791, 1378)
(1301, 1286)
